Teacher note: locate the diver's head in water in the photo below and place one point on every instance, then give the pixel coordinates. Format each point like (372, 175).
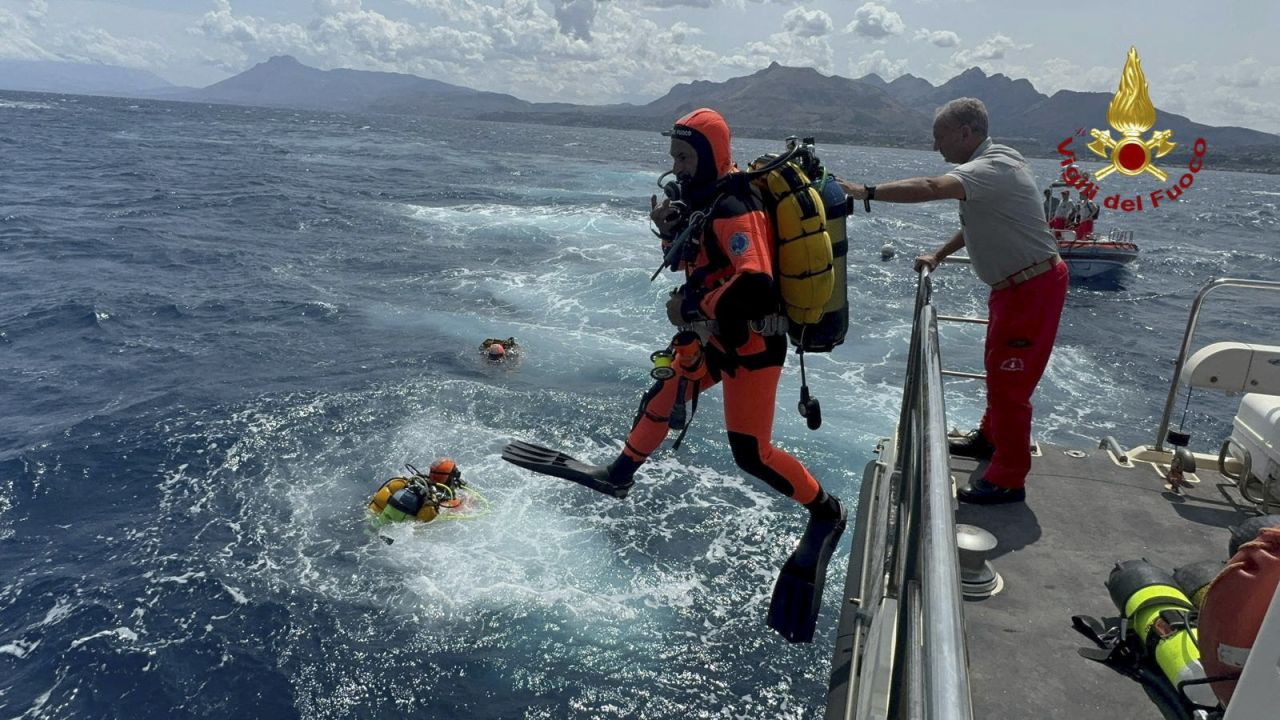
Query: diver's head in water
(700, 153)
(444, 471)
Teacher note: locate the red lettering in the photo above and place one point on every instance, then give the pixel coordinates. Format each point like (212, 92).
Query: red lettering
(1071, 175)
(1127, 206)
(1139, 203)
(1155, 198)
(1196, 163)
(1175, 192)
(1186, 180)
(1112, 202)
(1200, 147)
(1064, 148)
(1090, 190)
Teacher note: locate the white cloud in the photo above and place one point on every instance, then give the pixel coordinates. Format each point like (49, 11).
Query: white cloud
(99, 46)
(1226, 107)
(802, 43)
(875, 21)
(680, 3)
(879, 63)
(326, 7)
(29, 37)
(247, 35)
(566, 50)
(1248, 73)
(941, 38)
(1186, 72)
(1057, 74)
(16, 42)
(993, 48)
(575, 17)
(807, 23)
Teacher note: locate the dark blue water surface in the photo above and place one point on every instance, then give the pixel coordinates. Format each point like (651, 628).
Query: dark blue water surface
(222, 327)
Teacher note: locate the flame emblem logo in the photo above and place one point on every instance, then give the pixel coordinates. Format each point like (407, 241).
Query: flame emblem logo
(1131, 114)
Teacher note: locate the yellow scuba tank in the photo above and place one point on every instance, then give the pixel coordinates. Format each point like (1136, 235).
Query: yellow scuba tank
(804, 269)
(426, 513)
(1159, 613)
(808, 209)
(809, 268)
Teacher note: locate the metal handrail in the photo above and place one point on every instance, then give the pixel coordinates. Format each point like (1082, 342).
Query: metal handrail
(924, 554)
(1186, 342)
(947, 679)
(913, 664)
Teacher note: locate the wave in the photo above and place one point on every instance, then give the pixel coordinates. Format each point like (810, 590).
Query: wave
(26, 105)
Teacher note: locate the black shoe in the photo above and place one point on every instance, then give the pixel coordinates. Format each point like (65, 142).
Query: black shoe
(981, 492)
(974, 445)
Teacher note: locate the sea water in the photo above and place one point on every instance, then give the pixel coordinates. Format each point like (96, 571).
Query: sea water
(223, 327)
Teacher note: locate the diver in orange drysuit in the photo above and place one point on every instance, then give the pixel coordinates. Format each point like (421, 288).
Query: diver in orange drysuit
(729, 275)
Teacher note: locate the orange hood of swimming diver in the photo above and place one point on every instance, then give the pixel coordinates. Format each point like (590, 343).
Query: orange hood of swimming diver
(708, 133)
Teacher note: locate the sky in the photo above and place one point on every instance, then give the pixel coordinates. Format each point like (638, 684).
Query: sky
(1219, 65)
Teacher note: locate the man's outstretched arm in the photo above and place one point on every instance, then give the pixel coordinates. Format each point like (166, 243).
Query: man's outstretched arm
(913, 190)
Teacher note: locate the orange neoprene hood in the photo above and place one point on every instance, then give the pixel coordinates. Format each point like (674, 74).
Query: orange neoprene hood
(708, 133)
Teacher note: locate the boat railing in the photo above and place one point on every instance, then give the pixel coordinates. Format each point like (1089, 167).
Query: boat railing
(909, 656)
(1187, 335)
(1120, 236)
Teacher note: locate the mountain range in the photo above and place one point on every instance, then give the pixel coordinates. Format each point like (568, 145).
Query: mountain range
(79, 78)
(772, 103)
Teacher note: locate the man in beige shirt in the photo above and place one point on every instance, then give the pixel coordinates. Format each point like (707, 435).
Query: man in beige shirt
(1011, 249)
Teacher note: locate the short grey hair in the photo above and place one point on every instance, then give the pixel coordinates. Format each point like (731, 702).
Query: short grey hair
(964, 111)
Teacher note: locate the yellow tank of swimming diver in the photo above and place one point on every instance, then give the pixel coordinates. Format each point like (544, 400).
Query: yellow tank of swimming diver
(426, 513)
(1158, 611)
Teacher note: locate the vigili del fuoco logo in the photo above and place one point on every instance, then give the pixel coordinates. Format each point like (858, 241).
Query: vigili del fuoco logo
(1131, 114)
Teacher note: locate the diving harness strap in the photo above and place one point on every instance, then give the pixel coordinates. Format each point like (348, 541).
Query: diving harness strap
(678, 418)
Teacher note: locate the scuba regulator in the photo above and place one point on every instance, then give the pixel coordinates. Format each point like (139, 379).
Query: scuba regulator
(686, 242)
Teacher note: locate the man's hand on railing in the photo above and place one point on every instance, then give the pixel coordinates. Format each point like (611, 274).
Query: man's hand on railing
(929, 260)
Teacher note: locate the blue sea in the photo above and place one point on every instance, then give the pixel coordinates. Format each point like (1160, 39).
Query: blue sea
(221, 328)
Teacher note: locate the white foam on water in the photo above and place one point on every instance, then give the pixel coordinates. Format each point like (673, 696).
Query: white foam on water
(25, 105)
(19, 648)
(62, 607)
(560, 221)
(123, 634)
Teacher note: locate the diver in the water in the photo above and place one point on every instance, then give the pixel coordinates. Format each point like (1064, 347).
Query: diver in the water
(418, 496)
(498, 350)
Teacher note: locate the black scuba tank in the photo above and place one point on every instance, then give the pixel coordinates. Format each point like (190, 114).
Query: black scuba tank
(829, 331)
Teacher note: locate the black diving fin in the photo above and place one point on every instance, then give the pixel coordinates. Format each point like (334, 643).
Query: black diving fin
(797, 596)
(555, 463)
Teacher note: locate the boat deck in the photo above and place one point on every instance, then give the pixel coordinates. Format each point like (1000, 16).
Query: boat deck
(1082, 515)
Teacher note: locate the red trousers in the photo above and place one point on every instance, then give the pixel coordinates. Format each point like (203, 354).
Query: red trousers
(1057, 225)
(1023, 323)
(1083, 229)
(749, 402)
